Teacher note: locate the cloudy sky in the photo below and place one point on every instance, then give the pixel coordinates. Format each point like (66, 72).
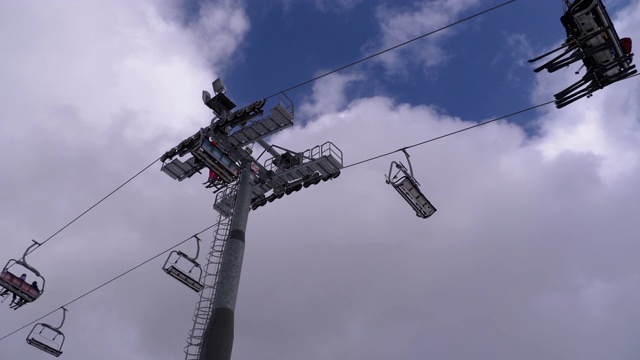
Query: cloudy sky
(531, 255)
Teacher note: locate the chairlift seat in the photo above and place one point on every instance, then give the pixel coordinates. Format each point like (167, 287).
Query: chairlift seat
(602, 44)
(592, 17)
(408, 188)
(44, 347)
(18, 287)
(592, 39)
(184, 278)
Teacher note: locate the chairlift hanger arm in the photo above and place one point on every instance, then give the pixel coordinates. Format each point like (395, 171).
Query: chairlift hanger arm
(22, 262)
(404, 150)
(28, 251)
(400, 169)
(198, 247)
(64, 316)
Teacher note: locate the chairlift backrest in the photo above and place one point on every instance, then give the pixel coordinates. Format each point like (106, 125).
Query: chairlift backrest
(16, 284)
(21, 288)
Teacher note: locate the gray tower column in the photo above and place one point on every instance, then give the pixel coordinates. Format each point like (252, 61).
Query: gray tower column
(218, 337)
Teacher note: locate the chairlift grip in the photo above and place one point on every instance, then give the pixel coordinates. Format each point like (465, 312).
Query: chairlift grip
(404, 150)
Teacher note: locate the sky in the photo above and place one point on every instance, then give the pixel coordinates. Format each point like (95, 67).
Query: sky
(532, 253)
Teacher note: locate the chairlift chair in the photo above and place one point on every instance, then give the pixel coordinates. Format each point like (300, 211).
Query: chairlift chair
(48, 338)
(592, 39)
(175, 266)
(15, 285)
(408, 187)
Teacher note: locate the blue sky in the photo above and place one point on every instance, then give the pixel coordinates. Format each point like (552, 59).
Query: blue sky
(531, 255)
(480, 78)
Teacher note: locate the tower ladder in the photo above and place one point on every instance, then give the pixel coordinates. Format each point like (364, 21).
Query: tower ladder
(210, 279)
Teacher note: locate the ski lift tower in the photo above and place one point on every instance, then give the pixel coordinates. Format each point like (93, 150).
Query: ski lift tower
(241, 183)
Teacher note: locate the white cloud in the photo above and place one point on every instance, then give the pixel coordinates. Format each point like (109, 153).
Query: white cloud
(399, 24)
(528, 256)
(220, 28)
(351, 272)
(531, 255)
(113, 62)
(90, 92)
(328, 94)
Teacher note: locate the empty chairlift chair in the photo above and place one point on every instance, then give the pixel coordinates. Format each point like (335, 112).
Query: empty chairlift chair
(177, 264)
(48, 338)
(409, 188)
(26, 290)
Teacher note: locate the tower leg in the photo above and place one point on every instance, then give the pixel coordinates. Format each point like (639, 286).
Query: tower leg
(218, 337)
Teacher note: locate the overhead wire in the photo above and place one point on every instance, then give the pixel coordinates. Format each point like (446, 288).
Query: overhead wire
(189, 238)
(93, 206)
(390, 48)
(284, 91)
(345, 167)
(450, 134)
(270, 96)
(109, 281)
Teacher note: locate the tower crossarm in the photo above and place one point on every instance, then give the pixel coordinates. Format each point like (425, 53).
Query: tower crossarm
(278, 119)
(221, 148)
(322, 162)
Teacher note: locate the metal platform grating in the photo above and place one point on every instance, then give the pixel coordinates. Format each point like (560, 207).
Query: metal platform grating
(323, 161)
(279, 119)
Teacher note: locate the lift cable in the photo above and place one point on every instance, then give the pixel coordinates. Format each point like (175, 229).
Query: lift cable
(108, 282)
(451, 133)
(351, 165)
(285, 90)
(288, 89)
(390, 49)
(94, 205)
